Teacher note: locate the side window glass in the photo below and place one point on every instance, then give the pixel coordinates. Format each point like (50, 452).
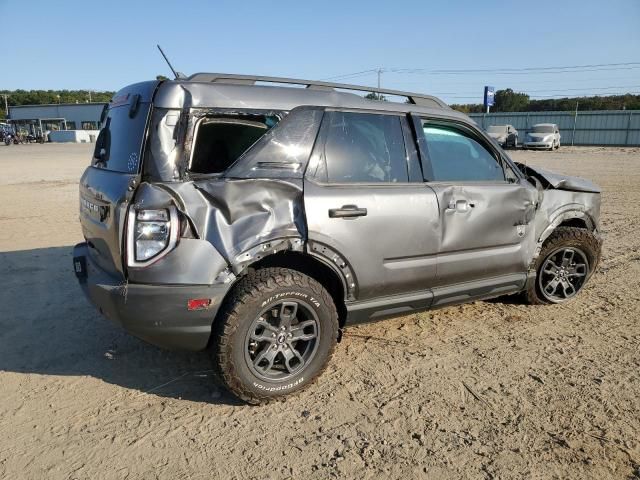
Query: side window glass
(456, 156)
(365, 148)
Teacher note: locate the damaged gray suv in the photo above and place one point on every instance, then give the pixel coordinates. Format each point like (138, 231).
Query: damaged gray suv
(256, 219)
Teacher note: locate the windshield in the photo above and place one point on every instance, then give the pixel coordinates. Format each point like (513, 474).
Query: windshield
(120, 141)
(542, 129)
(497, 129)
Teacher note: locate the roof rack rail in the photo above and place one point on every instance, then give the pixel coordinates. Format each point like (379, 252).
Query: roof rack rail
(415, 98)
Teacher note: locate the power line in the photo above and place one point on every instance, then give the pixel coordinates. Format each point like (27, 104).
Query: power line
(523, 85)
(548, 90)
(498, 72)
(349, 75)
(595, 67)
(514, 70)
(608, 94)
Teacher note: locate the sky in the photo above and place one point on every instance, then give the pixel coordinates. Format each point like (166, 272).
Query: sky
(107, 45)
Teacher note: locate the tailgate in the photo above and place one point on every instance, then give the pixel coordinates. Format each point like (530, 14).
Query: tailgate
(107, 186)
(104, 197)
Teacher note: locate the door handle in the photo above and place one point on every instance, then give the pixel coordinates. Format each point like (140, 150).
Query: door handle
(347, 211)
(459, 205)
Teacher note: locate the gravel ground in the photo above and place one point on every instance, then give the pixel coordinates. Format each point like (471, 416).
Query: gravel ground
(487, 390)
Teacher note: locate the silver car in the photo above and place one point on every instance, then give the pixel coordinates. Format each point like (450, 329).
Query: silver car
(543, 136)
(505, 135)
(259, 221)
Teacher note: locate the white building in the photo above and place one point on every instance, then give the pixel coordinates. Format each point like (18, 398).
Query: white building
(64, 116)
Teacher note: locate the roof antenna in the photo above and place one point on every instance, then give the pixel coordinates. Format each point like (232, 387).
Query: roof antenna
(177, 75)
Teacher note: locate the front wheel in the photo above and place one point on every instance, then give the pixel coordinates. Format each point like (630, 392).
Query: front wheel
(276, 334)
(567, 260)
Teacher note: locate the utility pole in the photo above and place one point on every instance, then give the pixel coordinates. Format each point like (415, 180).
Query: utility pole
(379, 71)
(575, 120)
(6, 107)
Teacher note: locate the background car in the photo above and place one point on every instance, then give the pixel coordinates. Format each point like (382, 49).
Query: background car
(505, 135)
(543, 135)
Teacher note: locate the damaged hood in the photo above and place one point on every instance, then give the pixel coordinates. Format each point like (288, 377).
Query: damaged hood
(559, 181)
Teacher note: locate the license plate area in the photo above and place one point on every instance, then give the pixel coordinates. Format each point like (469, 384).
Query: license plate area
(80, 267)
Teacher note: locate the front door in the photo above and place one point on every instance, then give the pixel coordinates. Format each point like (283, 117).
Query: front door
(486, 211)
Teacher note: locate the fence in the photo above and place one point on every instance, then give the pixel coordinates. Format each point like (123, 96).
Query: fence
(606, 127)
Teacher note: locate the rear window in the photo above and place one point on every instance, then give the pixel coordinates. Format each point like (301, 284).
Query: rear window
(119, 143)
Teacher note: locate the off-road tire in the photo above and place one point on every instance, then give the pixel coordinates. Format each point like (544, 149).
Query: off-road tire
(249, 297)
(575, 237)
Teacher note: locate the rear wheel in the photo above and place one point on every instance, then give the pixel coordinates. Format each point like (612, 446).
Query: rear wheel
(567, 260)
(276, 334)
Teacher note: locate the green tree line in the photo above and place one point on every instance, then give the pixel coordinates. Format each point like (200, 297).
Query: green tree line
(42, 97)
(508, 100)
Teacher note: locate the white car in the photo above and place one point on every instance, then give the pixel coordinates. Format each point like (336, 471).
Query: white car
(505, 135)
(543, 135)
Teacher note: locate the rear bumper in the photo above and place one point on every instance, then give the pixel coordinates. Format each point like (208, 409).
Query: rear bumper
(157, 314)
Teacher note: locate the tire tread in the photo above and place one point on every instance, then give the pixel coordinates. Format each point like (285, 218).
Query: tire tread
(563, 236)
(252, 288)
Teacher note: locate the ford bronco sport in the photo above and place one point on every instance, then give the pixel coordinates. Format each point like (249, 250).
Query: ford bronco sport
(257, 219)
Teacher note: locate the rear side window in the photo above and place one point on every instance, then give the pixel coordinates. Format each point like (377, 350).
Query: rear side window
(457, 156)
(119, 143)
(365, 148)
(221, 141)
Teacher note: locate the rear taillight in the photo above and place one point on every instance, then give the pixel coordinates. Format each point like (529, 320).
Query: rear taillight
(151, 234)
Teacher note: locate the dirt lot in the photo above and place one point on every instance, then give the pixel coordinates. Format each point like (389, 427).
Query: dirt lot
(488, 390)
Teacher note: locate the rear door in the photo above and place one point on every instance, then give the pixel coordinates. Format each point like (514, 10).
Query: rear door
(106, 187)
(364, 198)
(486, 209)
